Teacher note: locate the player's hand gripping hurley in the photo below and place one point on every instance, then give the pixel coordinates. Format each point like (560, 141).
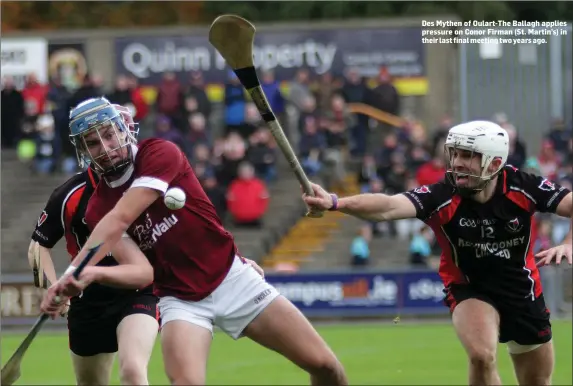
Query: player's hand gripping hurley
(11, 370)
(233, 37)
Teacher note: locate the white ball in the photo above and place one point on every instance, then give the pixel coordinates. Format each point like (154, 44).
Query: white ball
(174, 198)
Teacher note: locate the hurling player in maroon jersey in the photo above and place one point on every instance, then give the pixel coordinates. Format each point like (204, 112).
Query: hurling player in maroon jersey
(481, 216)
(198, 275)
(105, 319)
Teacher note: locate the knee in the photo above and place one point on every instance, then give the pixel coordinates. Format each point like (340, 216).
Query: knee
(133, 372)
(88, 378)
(187, 379)
(324, 365)
(482, 358)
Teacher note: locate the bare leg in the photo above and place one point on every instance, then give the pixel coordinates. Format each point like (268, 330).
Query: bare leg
(281, 327)
(136, 335)
(477, 326)
(185, 352)
(535, 367)
(92, 370)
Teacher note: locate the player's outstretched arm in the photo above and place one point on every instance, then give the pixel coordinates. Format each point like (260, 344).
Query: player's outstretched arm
(114, 224)
(371, 207)
(133, 271)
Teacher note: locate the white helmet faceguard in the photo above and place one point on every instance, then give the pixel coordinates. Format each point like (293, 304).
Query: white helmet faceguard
(478, 137)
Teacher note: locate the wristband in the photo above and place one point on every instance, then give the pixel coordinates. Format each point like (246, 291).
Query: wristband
(70, 269)
(334, 202)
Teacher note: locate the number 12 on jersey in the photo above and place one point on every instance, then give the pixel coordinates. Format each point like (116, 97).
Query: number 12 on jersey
(487, 232)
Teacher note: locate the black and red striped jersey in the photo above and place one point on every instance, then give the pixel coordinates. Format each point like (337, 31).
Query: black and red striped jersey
(64, 217)
(489, 244)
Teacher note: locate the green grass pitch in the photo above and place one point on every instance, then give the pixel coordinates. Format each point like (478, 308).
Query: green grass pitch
(373, 354)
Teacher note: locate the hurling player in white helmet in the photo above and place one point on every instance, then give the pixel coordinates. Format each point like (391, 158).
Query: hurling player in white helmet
(481, 216)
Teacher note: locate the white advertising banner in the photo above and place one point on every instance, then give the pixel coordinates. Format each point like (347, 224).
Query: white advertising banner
(24, 56)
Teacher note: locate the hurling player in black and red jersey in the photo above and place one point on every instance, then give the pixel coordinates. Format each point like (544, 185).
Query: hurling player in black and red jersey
(104, 319)
(481, 215)
(199, 276)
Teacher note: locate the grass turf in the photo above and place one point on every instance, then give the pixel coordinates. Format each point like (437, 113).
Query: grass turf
(403, 354)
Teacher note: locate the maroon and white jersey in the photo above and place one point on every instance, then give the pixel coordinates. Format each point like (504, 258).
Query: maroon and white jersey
(189, 249)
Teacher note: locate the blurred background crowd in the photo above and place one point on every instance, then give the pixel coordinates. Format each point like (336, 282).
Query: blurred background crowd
(237, 163)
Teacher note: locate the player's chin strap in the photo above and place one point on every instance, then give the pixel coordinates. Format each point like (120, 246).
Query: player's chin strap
(40, 278)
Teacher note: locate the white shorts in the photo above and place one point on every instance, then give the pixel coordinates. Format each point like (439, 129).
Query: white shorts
(238, 300)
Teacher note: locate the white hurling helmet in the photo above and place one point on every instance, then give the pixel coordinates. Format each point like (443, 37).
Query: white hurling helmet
(479, 137)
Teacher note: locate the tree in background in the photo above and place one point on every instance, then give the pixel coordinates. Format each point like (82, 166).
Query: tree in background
(22, 15)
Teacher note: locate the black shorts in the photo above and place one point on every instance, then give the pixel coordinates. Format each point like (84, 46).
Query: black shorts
(95, 332)
(524, 321)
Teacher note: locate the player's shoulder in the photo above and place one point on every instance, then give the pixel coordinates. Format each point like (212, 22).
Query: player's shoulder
(72, 184)
(155, 151)
(440, 189)
(155, 144)
(516, 178)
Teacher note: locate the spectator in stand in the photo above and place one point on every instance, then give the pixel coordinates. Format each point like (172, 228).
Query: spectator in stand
(311, 147)
(517, 152)
(234, 151)
(398, 175)
(235, 101)
(86, 91)
(216, 194)
(272, 89)
(247, 197)
(201, 161)
(355, 90)
(549, 161)
(308, 109)
(252, 121)
(56, 103)
(432, 171)
(360, 247)
(418, 156)
(11, 101)
(170, 98)
(199, 132)
(46, 144)
(368, 172)
(386, 98)
(421, 247)
(383, 154)
(164, 130)
(121, 93)
(299, 89)
(262, 154)
(335, 124)
(196, 90)
(440, 133)
(34, 95)
(560, 135)
(137, 98)
(324, 92)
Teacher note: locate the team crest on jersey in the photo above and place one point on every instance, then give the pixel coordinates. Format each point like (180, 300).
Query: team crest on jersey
(422, 189)
(42, 218)
(514, 225)
(547, 185)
